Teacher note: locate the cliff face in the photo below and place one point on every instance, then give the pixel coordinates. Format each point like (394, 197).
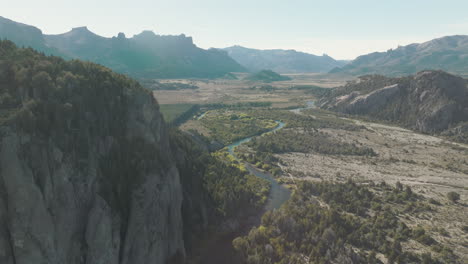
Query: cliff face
(430, 101)
(87, 171)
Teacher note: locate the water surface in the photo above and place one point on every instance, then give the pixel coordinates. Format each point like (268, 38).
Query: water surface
(278, 193)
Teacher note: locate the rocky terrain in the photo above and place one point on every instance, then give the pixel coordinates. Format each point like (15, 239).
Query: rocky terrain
(433, 167)
(446, 53)
(145, 55)
(429, 102)
(88, 170)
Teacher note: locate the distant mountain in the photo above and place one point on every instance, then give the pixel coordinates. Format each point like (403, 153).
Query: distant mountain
(448, 54)
(282, 61)
(430, 101)
(145, 55)
(267, 76)
(25, 35)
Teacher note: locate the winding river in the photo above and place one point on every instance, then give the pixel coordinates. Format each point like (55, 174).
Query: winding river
(220, 250)
(278, 193)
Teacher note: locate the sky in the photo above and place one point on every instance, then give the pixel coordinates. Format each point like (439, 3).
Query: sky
(341, 29)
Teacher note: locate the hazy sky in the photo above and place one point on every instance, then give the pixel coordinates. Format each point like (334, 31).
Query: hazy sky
(341, 29)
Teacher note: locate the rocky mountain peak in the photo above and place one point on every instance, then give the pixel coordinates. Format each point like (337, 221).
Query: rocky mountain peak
(147, 34)
(81, 32)
(81, 29)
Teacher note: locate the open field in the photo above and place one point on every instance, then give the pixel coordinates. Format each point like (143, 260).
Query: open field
(234, 91)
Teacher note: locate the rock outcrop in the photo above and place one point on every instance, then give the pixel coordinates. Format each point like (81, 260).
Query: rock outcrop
(355, 103)
(430, 101)
(88, 173)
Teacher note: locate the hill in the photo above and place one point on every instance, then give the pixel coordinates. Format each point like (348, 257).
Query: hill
(449, 54)
(429, 102)
(267, 76)
(145, 55)
(282, 61)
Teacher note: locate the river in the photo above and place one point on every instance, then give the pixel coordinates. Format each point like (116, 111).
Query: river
(309, 104)
(278, 193)
(220, 250)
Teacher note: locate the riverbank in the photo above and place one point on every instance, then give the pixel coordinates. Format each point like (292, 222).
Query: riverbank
(219, 249)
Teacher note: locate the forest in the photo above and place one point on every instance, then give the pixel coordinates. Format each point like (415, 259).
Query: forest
(343, 223)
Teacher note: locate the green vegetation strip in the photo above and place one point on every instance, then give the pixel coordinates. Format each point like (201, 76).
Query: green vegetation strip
(228, 126)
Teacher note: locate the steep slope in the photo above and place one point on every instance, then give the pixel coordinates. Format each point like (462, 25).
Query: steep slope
(430, 101)
(88, 172)
(282, 61)
(447, 53)
(146, 55)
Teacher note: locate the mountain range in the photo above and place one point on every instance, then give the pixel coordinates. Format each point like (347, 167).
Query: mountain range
(148, 55)
(282, 61)
(145, 55)
(449, 54)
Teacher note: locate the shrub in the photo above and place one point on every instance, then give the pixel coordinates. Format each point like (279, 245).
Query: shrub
(453, 196)
(434, 201)
(465, 229)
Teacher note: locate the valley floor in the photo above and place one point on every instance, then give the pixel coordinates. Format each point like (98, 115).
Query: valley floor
(431, 166)
(234, 91)
(319, 146)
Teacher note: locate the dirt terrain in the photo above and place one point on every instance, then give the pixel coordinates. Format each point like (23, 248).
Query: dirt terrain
(430, 165)
(426, 162)
(233, 91)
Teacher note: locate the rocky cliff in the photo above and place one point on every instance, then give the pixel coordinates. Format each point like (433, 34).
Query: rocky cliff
(430, 101)
(88, 173)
